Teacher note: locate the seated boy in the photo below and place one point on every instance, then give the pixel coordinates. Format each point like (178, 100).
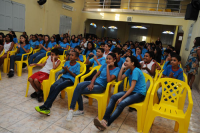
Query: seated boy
(172, 71)
(117, 52)
(96, 60)
(70, 70)
(36, 79)
(164, 57)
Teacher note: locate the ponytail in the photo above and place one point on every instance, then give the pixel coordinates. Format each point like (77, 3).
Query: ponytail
(115, 58)
(136, 62)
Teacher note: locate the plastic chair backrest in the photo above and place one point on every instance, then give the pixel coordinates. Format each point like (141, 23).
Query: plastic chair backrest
(82, 65)
(2, 53)
(84, 58)
(171, 91)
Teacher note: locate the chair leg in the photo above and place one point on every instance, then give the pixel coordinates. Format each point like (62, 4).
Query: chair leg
(139, 121)
(62, 94)
(182, 127)
(148, 121)
(90, 101)
(101, 111)
(27, 88)
(5, 65)
(19, 69)
(176, 126)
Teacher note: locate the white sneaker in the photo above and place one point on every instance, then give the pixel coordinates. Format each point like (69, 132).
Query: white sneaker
(70, 115)
(78, 113)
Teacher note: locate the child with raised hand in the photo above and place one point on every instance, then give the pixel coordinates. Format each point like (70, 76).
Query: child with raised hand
(106, 73)
(90, 51)
(164, 57)
(64, 45)
(172, 71)
(138, 54)
(96, 60)
(135, 94)
(106, 50)
(78, 49)
(168, 60)
(36, 79)
(70, 70)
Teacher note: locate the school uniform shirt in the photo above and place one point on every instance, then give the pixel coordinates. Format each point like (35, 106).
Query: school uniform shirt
(98, 44)
(120, 62)
(166, 64)
(15, 40)
(64, 45)
(43, 50)
(101, 60)
(138, 57)
(133, 50)
(137, 75)
(149, 65)
(33, 44)
(49, 65)
(163, 57)
(88, 52)
(41, 42)
(102, 79)
(80, 57)
(144, 50)
(105, 55)
(112, 47)
(53, 43)
(73, 45)
(21, 50)
(178, 74)
(73, 68)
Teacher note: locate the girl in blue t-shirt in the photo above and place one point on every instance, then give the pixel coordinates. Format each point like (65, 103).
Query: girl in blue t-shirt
(127, 54)
(46, 46)
(34, 43)
(52, 42)
(14, 37)
(90, 51)
(108, 72)
(135, 94)
(138, 54)
(74, 43)
(22, 48)
(64, 45)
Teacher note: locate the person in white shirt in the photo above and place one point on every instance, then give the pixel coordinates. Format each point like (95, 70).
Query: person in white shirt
(84, 44)
(106, 50)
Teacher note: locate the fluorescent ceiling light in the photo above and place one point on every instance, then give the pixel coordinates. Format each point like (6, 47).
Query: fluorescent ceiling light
(167, 32)
(140, 27)
(112, 27)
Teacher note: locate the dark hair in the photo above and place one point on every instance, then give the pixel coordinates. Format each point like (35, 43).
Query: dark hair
(141, 44)
(117, 50)
(103, 43)
(35, 36)
(89, 49)
(76, 53)
(172, 53)
(74, 40)
(14, 35)
(115, 58)
(125, 45)
(197, 43)
(176, 56)
(26, 39)
(47, 41)
(135, 60)
(108, 45)
(66, 38)
(101, 49)
(2, 34)
(55, 50)
(40, 35)
(58, 39)
(139, 48)
(78, 47)
(151, 54)
(10, 36)
(53, 37)
(158, 54)
(2, 41)
(167, 51)
(130, 51)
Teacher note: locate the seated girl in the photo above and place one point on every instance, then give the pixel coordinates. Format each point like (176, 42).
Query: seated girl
(22, 48)
(96, 60)
(34, 43)
(45, 47)
(135, 94)
(138, 54)
(14, 37)
(106, 50)
(128, 53)
(106, 73)
(8, 46)
(70, 70)
(90, 51)
(64, 45)
(36, 79)
(53, 42)
(74, 43)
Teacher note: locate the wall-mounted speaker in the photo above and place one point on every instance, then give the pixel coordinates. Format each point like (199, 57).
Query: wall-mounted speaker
(42, 2)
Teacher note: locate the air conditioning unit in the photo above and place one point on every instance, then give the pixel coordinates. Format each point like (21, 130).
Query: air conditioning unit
(68, 1)
(70, 8)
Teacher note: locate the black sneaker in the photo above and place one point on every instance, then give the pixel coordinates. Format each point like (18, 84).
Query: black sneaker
(40, 97)
(34, 95)
(10, 74)
(131, 109)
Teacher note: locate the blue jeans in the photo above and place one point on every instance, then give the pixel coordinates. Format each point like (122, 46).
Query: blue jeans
(131, 99)
(57, 74)
(14, 58)
(36, 57)
(55, 89)
(82, 88)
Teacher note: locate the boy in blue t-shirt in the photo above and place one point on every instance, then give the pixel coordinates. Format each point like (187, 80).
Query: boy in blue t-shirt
(117, 52)
(172, 71)
(164, 57)
(70, 70)
(96, 60)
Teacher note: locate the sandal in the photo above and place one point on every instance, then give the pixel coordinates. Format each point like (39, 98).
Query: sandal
(101, 125)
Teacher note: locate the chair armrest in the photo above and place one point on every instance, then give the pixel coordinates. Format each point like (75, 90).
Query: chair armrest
(155, 88)
(53, 73)
(2, 53)
(26, 54)
(190, 103)
(47, 53)
(88, 74)
(117, 86)
(36, 50)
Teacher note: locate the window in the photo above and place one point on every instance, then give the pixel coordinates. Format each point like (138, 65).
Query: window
(12, 16)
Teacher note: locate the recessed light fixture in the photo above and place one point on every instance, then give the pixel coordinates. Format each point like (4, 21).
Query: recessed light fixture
(103, 27)
(140, 27)
(112, 27)
(167, 32)
(93, 24)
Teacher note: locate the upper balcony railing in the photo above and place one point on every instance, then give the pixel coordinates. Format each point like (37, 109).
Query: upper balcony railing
(176, 6)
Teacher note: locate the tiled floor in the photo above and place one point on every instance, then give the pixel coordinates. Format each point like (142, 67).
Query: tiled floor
(17, 114)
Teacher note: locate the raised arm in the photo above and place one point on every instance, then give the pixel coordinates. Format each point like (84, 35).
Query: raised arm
(121, 76)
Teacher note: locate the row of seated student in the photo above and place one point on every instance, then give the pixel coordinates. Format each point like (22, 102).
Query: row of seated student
(115, 64)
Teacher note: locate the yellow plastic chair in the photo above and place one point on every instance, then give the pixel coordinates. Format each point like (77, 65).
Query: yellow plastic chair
(169, 104)
(36, 50)
(70, 90)
(160, 10)
(84, 58)
(19, 63)
(2, 53)
(168, 10)
(46, 84)
(152, 9)
(140, 107)
(63, 56)
(102, 98)
(6, 63)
